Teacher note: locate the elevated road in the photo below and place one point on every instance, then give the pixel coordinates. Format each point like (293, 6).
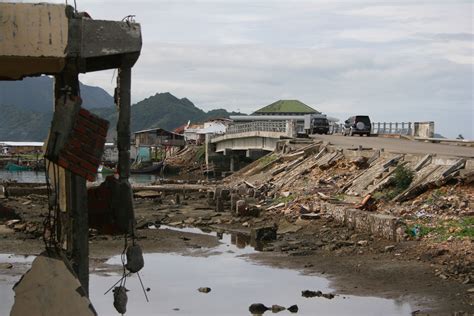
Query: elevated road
(399, 145)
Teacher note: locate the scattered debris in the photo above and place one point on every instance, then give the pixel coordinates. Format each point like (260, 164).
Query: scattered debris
(293, 309)
(277, 308)
(258, 308)
(309, 294)
(204, 289)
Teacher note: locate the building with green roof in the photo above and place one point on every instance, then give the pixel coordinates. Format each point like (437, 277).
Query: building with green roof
(286, 107)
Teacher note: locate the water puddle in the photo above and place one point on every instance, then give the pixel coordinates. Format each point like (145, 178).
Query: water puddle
(235, 284)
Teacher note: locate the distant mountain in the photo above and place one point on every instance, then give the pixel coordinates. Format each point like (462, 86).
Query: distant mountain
(161, 110)
(36, 94)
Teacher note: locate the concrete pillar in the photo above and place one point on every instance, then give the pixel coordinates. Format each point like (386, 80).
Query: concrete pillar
(233, 203)
(210, 198)
(73, 221)
(232, 164)
(225, 194)
(240, 208)
(219, 205)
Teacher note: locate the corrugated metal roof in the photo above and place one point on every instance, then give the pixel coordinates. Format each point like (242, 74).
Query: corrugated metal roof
(287, 106)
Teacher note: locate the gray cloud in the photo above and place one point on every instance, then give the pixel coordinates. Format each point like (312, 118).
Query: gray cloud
(395, 60)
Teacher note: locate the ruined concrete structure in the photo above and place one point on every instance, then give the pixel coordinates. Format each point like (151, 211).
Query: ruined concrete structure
(55, 39)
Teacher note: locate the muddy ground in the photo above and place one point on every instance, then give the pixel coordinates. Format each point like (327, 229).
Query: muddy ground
(356, 264)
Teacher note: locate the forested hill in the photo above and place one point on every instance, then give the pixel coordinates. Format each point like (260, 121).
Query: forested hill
(26, 110)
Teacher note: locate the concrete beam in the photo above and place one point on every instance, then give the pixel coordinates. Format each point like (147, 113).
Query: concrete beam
(39, 39)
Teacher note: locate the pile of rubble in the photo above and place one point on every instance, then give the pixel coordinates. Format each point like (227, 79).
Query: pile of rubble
(357, 190)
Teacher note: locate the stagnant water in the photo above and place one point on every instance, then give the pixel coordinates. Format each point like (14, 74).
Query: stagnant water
(235, 284)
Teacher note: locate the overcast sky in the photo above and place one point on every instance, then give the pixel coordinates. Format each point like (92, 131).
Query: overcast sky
(394, 60)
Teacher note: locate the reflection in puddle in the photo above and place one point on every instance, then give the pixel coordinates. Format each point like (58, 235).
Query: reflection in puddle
(242, 242)
(235, 284)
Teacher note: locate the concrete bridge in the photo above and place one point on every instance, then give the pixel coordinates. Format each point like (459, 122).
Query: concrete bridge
(253, 137)
(246, 141)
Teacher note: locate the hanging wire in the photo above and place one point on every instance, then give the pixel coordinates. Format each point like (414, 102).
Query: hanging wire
(50, 223)
(123, 257)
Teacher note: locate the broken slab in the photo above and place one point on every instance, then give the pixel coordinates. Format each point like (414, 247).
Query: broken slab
(369, 177)
(381, 225)
(285, 227)
(147, 194)
(50, 288)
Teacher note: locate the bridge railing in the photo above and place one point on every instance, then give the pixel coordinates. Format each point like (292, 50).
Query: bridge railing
(258, 126)
(402, 128)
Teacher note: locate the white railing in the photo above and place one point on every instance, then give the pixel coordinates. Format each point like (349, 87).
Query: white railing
(257, 126)
(403, 128)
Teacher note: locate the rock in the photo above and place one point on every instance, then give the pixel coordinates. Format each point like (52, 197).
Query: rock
(176, 223)
(360, 162)
(277, 308)
(442, 276)
(19, 226)
(204, 289)
(190, 220)
(285, 227)
(6, 265)
(258, 308)
(293, 309)
(265, 233)
(309, 293)
(11, 223)
(304, 209)
(362, 243)
(245, 224)
(329, 296)
(286, 194)
(120, 299)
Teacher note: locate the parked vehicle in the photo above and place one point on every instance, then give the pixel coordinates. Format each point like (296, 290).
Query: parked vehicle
(315, 124)
(319, 125)
(359, 124)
